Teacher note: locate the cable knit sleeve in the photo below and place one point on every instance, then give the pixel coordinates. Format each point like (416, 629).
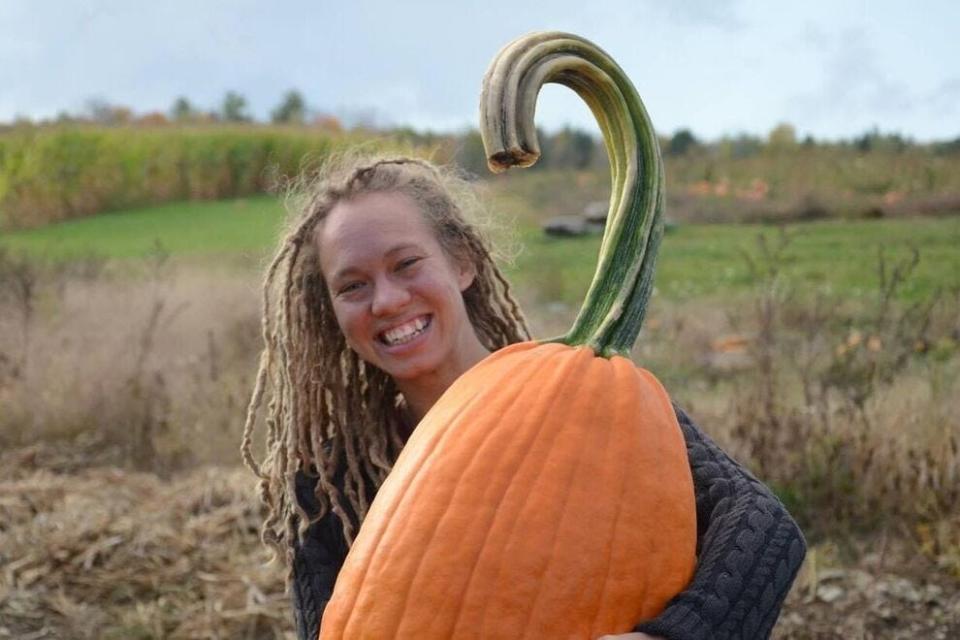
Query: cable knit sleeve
(749, 549)
(317, 560)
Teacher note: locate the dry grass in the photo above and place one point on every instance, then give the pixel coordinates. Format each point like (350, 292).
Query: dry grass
(106, 553)
(851, 411)
(155, 365)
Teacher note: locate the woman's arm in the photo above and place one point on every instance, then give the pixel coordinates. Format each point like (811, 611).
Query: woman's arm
(317, 560)
(749, 549)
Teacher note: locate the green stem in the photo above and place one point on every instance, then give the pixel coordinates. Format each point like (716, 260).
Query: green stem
(612, 312)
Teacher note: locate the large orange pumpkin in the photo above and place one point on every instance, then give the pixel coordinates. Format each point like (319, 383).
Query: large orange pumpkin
(547, 494)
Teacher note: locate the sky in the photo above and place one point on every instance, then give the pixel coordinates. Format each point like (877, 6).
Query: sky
(718, 67)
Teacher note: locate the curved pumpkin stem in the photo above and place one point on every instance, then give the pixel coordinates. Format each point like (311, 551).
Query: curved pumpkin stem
(612, 312)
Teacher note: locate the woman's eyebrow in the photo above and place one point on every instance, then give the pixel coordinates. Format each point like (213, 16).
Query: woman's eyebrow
(343, 273)
(402, 247)
(350, 269)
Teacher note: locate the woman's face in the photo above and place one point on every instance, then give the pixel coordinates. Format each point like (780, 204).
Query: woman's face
(396, 294)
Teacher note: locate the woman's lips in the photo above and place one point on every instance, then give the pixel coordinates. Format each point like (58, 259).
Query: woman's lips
(426, 325)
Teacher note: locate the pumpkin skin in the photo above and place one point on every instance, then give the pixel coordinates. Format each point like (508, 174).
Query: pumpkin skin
(547, 494)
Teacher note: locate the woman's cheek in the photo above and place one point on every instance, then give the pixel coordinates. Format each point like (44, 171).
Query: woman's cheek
(349, 322)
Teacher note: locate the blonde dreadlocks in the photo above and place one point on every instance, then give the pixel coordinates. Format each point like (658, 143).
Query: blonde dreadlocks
(327, 407)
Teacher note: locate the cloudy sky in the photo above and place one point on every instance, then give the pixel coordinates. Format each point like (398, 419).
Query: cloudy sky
(832, 69)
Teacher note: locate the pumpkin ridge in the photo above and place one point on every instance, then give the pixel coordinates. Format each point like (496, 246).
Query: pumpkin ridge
(671, 433)
(662, 394)
(530, 417)
(489, 433)
(550, 409)
(389, 519)
(597, 381)
(672, 443)
(616, 517)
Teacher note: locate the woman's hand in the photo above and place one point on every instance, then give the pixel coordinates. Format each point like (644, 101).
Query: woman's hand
(630, 636)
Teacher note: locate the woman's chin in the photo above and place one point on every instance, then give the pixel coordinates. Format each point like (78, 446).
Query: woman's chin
(410, 369)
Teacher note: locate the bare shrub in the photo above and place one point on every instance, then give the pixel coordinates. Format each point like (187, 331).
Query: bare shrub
(846, 409)
(151, 368)
(18, 290)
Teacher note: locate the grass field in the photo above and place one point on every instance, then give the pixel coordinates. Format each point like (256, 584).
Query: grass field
(712, 260)
(695, 260)
(187, 229)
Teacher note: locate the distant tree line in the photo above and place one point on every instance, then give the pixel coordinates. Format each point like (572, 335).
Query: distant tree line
(292, 109)
(576, 149)
(234, 108)
(568, 148)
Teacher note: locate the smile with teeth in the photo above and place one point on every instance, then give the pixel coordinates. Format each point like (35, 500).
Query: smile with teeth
(405, 332)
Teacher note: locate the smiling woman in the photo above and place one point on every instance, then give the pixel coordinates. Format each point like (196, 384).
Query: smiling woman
(398, 296)
(381, 295)
(378, 246)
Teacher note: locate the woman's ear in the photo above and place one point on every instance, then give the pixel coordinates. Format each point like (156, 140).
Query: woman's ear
(466, 273)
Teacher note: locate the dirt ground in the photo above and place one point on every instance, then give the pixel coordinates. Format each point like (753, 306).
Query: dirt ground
(887, 589)
(101, 552)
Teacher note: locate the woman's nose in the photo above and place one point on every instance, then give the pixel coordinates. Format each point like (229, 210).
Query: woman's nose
(388, 298)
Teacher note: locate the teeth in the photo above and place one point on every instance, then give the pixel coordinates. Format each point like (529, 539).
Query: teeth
(405, 332)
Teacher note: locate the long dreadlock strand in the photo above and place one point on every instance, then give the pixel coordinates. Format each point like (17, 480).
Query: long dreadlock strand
(330, 414)
(266, 359)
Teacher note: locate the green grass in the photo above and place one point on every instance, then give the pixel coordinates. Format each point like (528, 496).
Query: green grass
(695, 260)
(711, 260)
(245, 227)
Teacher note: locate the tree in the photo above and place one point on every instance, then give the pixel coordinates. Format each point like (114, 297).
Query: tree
(948, 147)
(102, 112)
(469, 154)
(682, 142)
(234, 108)
(742, 145)
(182, 110)
(874, 140)
(154, 118)
(782, 136)
(569, 149)
(98, 110)
(292, 110)
(327, 122)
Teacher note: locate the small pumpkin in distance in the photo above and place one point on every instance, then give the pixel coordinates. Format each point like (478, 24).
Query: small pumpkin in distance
(547, 494)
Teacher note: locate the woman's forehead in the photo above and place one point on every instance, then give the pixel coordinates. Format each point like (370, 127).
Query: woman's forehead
(372, 212)
(372, 225)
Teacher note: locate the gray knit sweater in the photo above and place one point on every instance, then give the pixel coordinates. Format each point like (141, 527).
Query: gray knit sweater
(749, 551)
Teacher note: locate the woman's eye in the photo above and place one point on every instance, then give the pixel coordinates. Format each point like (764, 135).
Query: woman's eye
(349, 288)
(407, 262)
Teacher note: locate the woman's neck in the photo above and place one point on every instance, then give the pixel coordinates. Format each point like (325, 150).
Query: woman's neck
(422, 392)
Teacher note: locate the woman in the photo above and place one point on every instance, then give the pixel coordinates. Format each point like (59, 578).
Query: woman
(379, 297)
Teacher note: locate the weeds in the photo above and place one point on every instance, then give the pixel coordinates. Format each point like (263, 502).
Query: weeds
(144, 371)
(18, 284)
(845, 409)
